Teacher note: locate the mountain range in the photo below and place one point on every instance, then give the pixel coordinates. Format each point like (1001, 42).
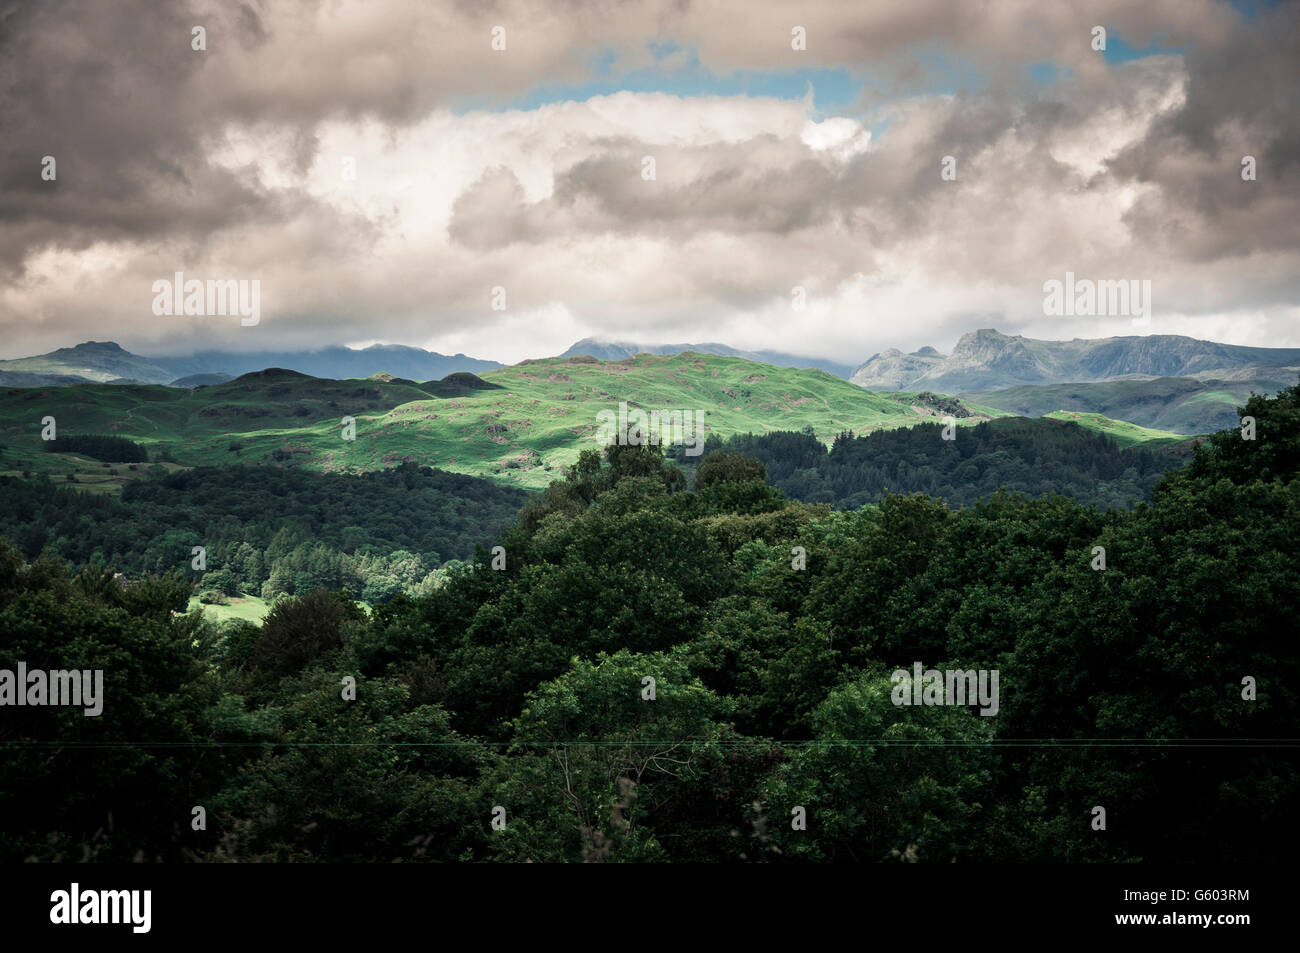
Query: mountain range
(982, 361)
(987, 360)
(1165, 382)
(107, 362)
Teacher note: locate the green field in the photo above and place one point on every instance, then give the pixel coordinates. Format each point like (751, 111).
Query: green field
(248, 608)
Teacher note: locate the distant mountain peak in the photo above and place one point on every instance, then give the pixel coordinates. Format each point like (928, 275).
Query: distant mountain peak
(987, 359)
(97, 361)
(891, 369)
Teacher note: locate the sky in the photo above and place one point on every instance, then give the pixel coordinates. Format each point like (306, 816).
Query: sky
(386, 175)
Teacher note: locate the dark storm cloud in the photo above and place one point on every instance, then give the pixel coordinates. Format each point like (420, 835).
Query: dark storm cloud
(1241, 100)
(108, 90)
(761, 184)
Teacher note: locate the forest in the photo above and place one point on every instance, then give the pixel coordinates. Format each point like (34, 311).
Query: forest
(100, 446)
(664, 669)
(1037, 457)
(268, 531)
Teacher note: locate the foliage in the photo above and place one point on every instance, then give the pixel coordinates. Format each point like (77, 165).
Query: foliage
(1035, 457)
(100, 446)
(506, 714)
(269, 531)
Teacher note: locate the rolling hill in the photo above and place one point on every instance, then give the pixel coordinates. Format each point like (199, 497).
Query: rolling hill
(1121, 431)
(520, 425)
(1183, 405)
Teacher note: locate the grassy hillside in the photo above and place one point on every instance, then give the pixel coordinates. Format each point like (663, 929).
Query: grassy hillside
(1182, 405)
(520, 424)
(1121, 431)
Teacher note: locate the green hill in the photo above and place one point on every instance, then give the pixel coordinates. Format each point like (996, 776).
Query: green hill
(1183, 405)
(520, 424)
(1121, 431)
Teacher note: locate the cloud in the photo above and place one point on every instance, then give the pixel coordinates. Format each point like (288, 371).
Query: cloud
(229, 163)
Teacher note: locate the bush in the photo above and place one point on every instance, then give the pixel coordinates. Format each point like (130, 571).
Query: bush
(221, 580)
(298, 630)
(723, 467)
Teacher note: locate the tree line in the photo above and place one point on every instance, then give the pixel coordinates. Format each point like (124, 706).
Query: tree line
(1037, 457)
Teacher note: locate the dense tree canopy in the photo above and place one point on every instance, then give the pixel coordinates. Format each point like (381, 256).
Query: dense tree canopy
(100, 446)
(269, 531)
(1035, 457)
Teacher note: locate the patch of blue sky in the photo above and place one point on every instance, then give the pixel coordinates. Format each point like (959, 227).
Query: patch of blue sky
(836, 91)
(676, 70)
(680, 73)
(879, 127)
(1047, 73)
(1118, 50)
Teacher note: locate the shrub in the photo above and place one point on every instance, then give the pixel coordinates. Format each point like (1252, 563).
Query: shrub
(298, 630)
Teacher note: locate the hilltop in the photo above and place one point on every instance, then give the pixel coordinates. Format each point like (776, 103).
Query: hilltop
(618, 350)
(98, 361)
